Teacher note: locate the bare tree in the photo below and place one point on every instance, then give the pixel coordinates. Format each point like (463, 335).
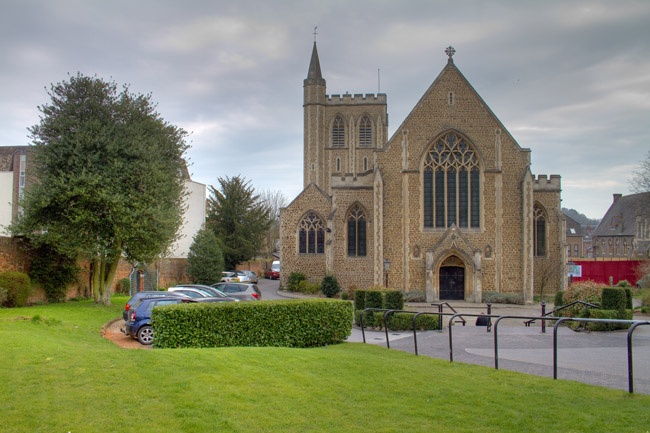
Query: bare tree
(640, 182)
(273, 200)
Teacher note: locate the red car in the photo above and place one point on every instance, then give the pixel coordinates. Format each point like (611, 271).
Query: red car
(274, 272)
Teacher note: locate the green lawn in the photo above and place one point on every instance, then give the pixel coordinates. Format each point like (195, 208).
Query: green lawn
(58, 375)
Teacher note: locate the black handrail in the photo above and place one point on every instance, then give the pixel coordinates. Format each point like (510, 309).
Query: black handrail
(552, 313)
(388, 313)
(634, 324)
(363, 332)
(440, 306)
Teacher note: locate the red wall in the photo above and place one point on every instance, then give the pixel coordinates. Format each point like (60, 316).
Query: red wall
(601, 270)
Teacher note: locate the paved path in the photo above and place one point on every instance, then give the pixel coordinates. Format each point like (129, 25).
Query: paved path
(598, 358)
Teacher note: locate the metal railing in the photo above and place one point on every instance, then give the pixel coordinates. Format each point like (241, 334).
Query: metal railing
(563, 307)
(558, 321)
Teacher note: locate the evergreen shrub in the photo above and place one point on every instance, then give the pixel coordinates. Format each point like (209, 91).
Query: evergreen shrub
(393, 300)
(124, 286)
(613, 298)
(308, 288)
(302, 323)
(330, 286)
(18, 288)
(608, 314)
(559, 299)
(293, 282)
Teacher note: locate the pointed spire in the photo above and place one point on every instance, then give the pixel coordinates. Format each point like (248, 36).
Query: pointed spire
(314, 75)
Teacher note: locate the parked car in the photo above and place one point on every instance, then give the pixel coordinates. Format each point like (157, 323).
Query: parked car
(274, 272)
(243, 277)
(253, 276)
(242, 291)
(138, 324)
(146, 295)
(198, 291)
(229, 277)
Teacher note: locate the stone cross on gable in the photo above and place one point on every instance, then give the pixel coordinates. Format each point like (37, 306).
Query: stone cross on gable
(450, 51)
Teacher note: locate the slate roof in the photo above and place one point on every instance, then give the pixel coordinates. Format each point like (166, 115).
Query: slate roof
(620, 219)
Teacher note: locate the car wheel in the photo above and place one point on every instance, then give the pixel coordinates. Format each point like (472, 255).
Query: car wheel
(145, 335)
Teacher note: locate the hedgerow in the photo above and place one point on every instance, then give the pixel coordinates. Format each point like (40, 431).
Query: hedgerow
(297, 323)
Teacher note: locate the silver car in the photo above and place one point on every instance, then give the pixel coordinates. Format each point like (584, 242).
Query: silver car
(251, 275)
(243, 291)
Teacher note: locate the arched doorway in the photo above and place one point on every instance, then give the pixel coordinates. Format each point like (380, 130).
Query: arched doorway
(452, 279)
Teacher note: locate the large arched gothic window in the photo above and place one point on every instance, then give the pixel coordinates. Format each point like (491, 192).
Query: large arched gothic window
(311, 235)
(338, 132)
(365, 132)
(357, 231)
(539, 230)
(451, 184)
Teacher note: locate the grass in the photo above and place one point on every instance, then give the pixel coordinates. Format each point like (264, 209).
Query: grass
(59, 375)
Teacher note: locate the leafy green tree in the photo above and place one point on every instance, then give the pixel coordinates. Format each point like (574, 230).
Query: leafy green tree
(110, 178)
(238, 218)
(205, 258)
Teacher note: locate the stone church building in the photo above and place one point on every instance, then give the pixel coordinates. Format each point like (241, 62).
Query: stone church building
(447, 207)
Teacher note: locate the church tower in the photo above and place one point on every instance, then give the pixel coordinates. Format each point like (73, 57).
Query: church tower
(314, 102)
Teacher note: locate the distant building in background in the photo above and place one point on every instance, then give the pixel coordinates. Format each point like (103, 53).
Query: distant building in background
(578, 239)
(624, 231)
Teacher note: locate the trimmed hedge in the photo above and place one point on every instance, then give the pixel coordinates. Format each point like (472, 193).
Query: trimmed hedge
(389, 299)
(613, 298)
(608, 314)
(296, 323)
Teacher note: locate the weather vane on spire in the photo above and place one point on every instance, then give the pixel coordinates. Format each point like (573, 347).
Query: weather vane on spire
(450, 51)
(315, 33)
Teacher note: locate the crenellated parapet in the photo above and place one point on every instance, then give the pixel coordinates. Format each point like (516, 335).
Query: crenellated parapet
(544, 183)
(357, 99)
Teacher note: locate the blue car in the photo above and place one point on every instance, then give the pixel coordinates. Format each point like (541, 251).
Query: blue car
(138, 324)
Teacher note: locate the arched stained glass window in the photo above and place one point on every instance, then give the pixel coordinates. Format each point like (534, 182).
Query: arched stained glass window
(365, 132)
(451, 184)
(338, 132)
(311, 235)
(539, 230)
(356, 231)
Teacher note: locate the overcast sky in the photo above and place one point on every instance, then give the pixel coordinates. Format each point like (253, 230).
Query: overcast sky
(569, 79)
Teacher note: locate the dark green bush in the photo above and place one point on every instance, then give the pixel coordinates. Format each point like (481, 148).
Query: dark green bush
(393, 300)
(293, 282)
(18, 288)
(608, 314)
(613, 298)
(308, 288)
(3, 295)
(53, 271)
(404, 322)
(360, 299)
(382, 299)
(124, 286)
(629, 304)
(559, 298)
(296, 323)
(374, 299)
(330, 286)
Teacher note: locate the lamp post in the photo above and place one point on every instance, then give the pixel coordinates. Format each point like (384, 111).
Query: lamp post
(386, 268)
